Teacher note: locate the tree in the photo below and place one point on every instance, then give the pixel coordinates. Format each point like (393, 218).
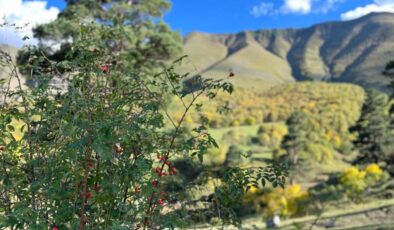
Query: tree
(389, 72)
(296, 141)
(374, 136)
(142, 43)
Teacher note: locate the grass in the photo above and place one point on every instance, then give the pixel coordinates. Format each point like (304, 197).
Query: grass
(338, 213)
(246, 130)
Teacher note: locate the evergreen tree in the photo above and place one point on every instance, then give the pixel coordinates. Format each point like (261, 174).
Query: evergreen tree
(144, 42)
(389, 72)
(373, 129)
(296, 141)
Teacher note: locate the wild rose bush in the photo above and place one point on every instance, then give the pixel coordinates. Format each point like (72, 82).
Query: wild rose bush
(100, 154)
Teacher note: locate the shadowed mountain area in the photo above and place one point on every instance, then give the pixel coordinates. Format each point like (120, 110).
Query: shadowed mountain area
(351, 51)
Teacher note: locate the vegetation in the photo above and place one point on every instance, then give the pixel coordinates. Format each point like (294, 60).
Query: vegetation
(355, 181)
(104, 152)
(296, 141)
(142, 42)
(286, 202)
(129, 140)
(374, 132)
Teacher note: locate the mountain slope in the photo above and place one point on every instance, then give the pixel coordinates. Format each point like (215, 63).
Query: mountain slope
(351, 51)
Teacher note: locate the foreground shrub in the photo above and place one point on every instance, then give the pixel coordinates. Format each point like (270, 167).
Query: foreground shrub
(102, 153)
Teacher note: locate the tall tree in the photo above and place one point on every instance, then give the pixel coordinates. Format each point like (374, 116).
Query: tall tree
(389, 72)
(296, 141)
(373, 128)
(144, 42)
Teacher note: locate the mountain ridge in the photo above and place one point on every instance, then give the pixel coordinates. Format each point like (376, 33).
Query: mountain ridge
(353, 51)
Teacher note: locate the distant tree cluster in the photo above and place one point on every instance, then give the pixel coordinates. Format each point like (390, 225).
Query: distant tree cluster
(375, 137)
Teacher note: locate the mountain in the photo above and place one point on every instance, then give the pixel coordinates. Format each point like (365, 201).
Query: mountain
(348, 51)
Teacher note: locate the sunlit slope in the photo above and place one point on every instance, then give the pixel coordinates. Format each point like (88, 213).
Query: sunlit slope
(350, 51)
(244, 63)
(217, 56)
(203, 50)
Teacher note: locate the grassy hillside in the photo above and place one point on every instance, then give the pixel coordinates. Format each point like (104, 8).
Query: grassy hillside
(352, 51)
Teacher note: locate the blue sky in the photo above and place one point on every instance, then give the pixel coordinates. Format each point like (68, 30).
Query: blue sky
(228, 16)
(213, 16)
(224, 16)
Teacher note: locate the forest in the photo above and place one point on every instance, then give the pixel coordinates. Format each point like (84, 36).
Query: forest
(109, 123)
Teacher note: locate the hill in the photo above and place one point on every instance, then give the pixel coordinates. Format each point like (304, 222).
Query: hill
(350, 51)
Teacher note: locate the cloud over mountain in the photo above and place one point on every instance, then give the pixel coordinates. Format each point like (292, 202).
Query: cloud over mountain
(377, 6)
(295, 7)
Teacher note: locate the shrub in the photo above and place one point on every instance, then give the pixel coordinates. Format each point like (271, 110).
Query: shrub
(287, 202)
(355, 181)
(250, 121)
(215, 156)
(271, 135)
(102, 153)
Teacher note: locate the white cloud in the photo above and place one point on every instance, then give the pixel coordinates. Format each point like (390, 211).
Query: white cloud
(263, 9)
(20, 13)
(297, 6)
(377, 6)
(327, 5)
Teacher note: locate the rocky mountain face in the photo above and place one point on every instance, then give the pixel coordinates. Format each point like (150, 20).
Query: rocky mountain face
(350, 51)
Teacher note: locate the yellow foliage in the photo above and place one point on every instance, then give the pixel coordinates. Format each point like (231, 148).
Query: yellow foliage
(286, 202)
(356, 181)
(373, 169)
(374, 173)
(312, 104)
(188, 119)
(18, 133)
(353, 178)
(216, 156)
(235, 122)
(272, 135)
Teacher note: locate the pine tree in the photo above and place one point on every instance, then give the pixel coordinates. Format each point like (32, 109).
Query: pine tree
(296, 141)
(144, 43)
(389, 72)
(373, 129)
